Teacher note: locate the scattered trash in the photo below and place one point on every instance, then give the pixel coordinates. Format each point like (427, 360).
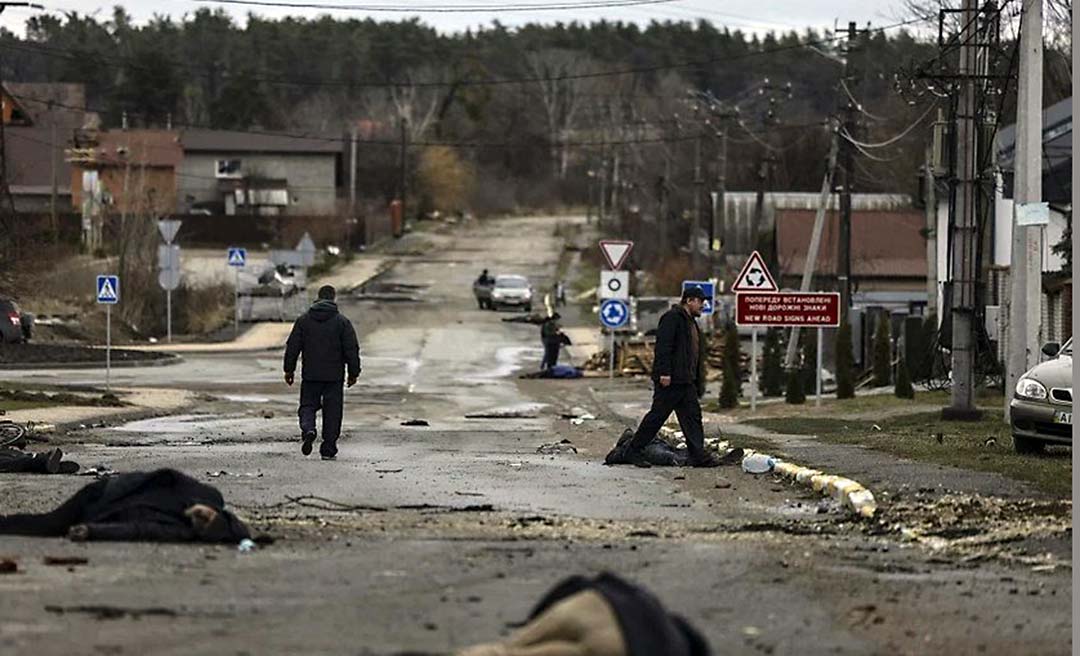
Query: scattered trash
(8, 566)
(758, 463)
(246, 546)
(581, 419)
(222, 472)
(468, 494)
(99, 471)
(875, 427)
(389, 471)
(940, 437)
(101, 612)
(990, 442)
(503, 414)
(751, 631)
(1044, 568)
(415, 422)
(65, 560)
(268, 414)
(562, 446)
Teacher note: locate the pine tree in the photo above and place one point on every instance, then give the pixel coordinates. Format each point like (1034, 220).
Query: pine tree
(772, 364)
(882, 353)
(729, 390)
(845, 363)
(903, 390)
(795, 394)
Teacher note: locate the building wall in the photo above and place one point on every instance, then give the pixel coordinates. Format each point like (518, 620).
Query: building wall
(149, 189)
(310, 178)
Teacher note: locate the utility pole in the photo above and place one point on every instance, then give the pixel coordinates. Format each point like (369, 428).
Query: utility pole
(847, 162)
(815, 241)
(1025, 311)
(931, 235)
(964, 232)
(353, 136)
(404, 165)
(695, 220)
(52, 173)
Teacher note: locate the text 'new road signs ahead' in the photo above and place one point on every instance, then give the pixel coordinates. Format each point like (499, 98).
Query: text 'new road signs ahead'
(787, 310)
(709, 289)
(108, 290)
(237, 256)
(615, 252)
(614, 313)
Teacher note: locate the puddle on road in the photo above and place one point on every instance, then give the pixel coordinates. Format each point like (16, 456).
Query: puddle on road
(246, 398)
(508, 360)
(184, 423)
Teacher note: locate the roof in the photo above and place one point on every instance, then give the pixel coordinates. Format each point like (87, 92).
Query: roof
(35, 99)
(883, 243)
(236, 141)
(1057, 152)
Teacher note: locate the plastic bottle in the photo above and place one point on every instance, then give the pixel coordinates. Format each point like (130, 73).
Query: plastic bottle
(245, 546)
(758, 463)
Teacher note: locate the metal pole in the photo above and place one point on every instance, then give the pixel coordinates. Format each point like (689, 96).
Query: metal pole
(817, 399)
(168, 315)
(108, 345)
(1025, 311)
(753, 369)
(846, 170)
(964, 228)
(236, 305)
(611, 358)
(931, 237)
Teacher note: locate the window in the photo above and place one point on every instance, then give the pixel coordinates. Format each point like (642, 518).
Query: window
(227, 168)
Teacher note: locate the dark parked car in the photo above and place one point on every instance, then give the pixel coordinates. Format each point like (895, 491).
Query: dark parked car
(1041, 408)
(15, 325)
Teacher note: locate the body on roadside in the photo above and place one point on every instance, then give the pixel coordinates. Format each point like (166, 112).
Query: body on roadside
(326, 342)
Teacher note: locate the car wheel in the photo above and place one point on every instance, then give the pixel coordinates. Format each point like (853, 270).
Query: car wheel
(528, 308)
(1027, 445)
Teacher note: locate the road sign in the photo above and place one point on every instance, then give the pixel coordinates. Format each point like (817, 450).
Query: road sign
(615, 252)
(754, 277)
(169, 279)
(168, 257)
(108, 290)
(168, 229)
(615, 284)
(614, 313)
(709, 289)
(237, 256)
(788, 309)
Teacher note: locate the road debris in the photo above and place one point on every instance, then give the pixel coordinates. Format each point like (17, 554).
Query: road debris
(222, 472)
(503, 414)
(758, 463)
(102, 612)
(562, 446)
(8, 566)
(246, 546)
(415, 422)
(65, 560)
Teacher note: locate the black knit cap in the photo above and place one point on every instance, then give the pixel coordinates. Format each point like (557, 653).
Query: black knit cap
(693, 292)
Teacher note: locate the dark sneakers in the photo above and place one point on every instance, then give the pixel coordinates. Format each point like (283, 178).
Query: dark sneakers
(708, 459)
(309, 439)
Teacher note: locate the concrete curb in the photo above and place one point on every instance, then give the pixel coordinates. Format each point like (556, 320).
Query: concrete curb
(851, 494)
(122, 364)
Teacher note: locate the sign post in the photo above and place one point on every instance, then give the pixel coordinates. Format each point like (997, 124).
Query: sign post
(169, 264)
(237, 258)
(108, 294)
(817, 399)
(753, 369)
(614, 313)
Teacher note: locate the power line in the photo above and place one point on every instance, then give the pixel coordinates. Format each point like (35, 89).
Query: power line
(325, 82)
(444, 9)
(891, 140)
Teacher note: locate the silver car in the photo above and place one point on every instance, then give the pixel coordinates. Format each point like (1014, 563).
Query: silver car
(512, 291)
(1041, 408)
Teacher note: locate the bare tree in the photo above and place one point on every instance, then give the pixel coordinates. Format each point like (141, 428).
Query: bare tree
(561, 95)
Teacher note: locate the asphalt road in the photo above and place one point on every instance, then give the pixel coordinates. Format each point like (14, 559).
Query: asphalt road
(758, 566)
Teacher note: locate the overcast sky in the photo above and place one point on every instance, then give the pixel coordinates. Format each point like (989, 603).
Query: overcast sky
(747, 15)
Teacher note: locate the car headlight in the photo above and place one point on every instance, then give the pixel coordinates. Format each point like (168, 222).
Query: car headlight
(1031, 389)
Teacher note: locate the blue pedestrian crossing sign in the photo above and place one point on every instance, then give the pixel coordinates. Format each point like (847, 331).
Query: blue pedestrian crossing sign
(709, 289)
(108, 289)
(614, 313)
(237, 256)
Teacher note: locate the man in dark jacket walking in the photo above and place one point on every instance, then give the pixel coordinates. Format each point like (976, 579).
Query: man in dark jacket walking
(327, 342)
(678, 381)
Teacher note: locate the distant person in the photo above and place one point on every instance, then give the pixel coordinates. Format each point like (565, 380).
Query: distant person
(560, 293)
(326, 341)
(552, 338)
(678, 381)
(485, 278)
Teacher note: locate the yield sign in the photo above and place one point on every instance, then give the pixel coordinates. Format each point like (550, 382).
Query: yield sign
(615, 252)
(754, 277)
(168, 229)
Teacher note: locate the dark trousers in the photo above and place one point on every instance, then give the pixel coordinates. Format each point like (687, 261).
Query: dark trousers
(329, 396)
(14, 461)
(57, 522)
(551, 354)
(683, 401)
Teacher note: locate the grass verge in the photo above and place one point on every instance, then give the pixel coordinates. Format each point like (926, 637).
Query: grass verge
(984, 445)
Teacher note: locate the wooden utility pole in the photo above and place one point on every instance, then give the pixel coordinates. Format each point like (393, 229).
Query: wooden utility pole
(404, 165)
(695, 220)
(964, 232)
(847, 163)
(1025, 310)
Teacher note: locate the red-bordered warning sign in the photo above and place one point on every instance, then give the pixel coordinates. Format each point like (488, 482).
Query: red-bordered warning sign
(788, 309)
(754, 277)
(615, 252)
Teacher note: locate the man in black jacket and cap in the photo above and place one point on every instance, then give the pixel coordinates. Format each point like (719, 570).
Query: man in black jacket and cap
(327, 342)
(678, 381)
